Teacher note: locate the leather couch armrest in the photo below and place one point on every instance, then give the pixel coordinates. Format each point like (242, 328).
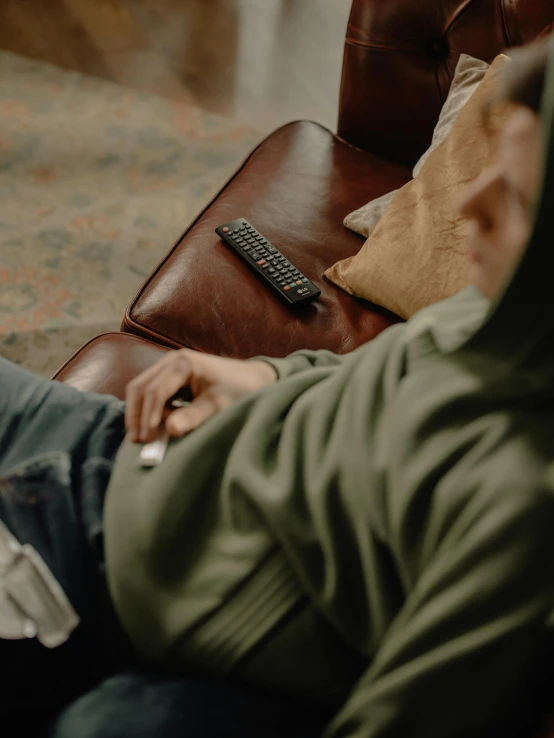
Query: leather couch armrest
(400, 57)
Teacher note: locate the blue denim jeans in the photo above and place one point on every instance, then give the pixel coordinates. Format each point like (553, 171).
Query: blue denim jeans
(57, 449)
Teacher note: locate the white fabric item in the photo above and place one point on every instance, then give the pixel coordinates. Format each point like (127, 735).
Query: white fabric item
(32, 602)
(469, 73)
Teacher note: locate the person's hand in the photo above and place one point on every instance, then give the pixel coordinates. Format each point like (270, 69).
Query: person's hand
(213, 381)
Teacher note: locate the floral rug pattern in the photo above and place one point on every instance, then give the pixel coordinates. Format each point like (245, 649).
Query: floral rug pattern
(96, 183)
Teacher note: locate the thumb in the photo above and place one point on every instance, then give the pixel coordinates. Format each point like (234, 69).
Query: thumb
(188, 418)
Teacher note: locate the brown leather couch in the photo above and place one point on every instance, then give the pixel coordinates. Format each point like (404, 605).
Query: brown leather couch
(297, 186)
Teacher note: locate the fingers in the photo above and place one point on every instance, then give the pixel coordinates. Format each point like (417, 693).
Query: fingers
(154, 397)
(200, 409)
(133, 400)
(147, 394)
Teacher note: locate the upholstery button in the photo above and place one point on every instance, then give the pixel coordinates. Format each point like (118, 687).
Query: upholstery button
(438, 49)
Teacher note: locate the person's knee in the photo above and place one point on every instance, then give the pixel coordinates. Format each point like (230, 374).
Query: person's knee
(122, 706)
(146, 705)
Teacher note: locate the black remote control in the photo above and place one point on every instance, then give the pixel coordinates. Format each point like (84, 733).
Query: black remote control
(268, 262)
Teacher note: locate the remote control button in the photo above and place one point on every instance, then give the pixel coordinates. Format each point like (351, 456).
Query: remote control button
(271, 270)
(242, 227)
(272, 249)
(262, 261)
(298, 281)
(265, 266)
(304, 281)
(292, 285)
(286, 287)
(281, 259)
(236, 230)
(255, 255)
(225, 230)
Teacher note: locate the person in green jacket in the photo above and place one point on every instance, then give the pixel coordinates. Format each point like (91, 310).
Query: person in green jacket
(371, 532)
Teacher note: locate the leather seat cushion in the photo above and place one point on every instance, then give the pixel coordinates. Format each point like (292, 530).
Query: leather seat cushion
(295, 188)
(108, 362)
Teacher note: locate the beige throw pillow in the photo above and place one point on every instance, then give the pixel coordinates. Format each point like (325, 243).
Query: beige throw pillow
(416, 256)
(469, 73)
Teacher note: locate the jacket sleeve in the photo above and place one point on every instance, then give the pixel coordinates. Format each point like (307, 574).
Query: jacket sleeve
(308, 359)
(300, 360)
(463, 655)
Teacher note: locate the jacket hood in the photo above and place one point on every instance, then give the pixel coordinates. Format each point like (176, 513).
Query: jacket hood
(518, 325)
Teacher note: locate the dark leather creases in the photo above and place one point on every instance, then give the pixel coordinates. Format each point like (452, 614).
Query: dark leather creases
(401, 85)
(457, 17)
(297, 186)
(509, 41)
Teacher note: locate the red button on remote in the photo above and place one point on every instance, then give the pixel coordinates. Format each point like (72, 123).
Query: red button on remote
(225, 230)
(286, 287)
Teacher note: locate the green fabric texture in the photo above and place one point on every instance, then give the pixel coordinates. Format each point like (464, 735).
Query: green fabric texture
(375, 529)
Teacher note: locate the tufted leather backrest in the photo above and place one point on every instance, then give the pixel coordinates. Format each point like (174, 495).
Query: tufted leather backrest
(400, 57)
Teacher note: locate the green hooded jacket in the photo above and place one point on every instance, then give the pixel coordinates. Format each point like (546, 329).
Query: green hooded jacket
(375, 530)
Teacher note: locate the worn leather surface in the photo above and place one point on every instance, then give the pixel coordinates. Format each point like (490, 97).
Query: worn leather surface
(296, 188)
(400, 57)
(108, 362)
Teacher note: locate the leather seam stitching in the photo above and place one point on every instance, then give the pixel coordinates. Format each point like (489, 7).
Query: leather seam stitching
(504, 23)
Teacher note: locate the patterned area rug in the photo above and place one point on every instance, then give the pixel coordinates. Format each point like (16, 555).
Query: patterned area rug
(96, 183)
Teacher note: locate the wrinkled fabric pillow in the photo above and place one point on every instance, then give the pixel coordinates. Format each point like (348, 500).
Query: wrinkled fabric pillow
(469, 73)
(416, 255)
